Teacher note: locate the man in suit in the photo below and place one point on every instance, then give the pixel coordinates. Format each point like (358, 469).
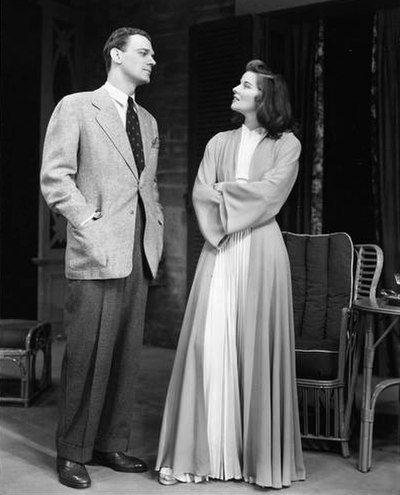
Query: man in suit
(99, 172)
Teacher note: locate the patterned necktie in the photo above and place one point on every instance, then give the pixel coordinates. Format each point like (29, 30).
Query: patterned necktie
(135, 138)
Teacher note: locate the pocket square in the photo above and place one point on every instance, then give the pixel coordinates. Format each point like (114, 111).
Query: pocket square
(156, 142)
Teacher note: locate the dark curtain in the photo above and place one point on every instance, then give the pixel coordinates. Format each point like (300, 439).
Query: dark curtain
(301, 79)
(386, 102)
(348, 199)
(299, 72)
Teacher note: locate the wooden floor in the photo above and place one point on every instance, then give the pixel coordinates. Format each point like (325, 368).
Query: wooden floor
(27, 453)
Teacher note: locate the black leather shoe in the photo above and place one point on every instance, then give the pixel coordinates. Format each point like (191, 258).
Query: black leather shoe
(119, 462)
(72, 474)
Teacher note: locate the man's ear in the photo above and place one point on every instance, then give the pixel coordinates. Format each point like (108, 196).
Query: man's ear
(115, 55)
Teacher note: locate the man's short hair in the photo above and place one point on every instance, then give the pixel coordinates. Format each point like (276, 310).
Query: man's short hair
(119, 39)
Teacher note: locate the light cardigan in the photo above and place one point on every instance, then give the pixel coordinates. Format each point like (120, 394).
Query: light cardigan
(235, 206)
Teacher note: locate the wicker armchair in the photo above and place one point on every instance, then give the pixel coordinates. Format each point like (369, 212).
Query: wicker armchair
(368, 269)
(322, 282)
(22, 342)
(369, 264)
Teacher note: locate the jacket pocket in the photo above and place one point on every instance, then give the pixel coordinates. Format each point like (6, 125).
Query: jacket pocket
(90, 222)
(86, 246)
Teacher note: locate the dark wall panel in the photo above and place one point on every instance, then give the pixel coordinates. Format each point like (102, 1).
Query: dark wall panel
(218, 54)
(20, 133)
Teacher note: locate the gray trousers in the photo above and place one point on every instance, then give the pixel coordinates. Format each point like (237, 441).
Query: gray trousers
(104, 321)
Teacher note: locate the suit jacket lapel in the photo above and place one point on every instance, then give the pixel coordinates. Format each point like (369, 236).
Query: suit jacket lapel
(110, 121)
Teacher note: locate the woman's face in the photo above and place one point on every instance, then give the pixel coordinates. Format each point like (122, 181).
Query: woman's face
(245, 94)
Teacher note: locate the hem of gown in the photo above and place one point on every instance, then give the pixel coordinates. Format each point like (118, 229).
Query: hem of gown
(195, 478)
(252, 481)
(183, 477)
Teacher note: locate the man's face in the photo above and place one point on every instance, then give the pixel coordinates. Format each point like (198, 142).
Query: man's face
(137, 59)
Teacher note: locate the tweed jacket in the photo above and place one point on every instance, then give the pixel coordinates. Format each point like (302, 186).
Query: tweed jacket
(88, 169)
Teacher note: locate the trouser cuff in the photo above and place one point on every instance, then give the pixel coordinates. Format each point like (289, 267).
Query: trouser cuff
(74, 453)
(111, 444)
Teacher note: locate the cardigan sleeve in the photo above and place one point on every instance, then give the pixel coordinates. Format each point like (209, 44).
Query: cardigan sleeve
(206, 200)
(252, 204)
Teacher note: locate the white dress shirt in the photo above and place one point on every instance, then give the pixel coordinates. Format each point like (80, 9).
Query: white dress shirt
(120, 100)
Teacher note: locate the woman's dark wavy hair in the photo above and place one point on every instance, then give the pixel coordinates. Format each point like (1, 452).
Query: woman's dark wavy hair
(119, 39)
(274, 111)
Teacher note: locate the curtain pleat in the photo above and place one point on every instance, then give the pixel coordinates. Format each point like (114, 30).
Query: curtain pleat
(300, 75)
(385, 111)
(318, 155)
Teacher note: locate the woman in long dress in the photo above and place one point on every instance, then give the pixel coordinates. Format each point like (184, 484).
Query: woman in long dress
(231, 409)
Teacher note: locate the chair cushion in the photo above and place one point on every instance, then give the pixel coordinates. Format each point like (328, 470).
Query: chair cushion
(14, 332)
(316, 359)
(322, 279)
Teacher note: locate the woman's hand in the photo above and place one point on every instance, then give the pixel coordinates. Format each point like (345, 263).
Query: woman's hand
(218, 186)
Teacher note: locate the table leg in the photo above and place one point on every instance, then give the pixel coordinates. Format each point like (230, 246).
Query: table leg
(366, 420)
(353, 378)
